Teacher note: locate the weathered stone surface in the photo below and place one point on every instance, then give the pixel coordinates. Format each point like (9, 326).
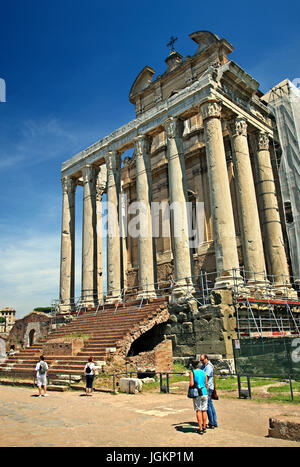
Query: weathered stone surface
(285, 429)
(130, 385)
(63, 346)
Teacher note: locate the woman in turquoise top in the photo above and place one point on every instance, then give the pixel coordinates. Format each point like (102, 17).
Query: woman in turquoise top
(199, 378)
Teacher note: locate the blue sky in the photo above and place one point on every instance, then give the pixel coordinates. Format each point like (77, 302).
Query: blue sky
(68, 66)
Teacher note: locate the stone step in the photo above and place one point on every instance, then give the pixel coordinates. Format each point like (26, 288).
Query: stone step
(106, 329)
(57, 387)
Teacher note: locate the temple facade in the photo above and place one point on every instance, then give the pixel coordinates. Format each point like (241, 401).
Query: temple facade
(196, 162)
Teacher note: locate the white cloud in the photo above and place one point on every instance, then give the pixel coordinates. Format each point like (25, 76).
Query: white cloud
(37, 141)
(29, 271)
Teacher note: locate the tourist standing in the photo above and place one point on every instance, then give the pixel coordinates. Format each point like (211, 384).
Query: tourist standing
(41, 376)
(89, 372)
(208, 367)
(199, 378)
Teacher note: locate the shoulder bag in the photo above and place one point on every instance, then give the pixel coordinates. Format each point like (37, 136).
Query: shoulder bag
(214, 394)
(194, 391)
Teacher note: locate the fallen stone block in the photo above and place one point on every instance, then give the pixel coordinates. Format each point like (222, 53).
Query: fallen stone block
(285, 429)
(130, 385)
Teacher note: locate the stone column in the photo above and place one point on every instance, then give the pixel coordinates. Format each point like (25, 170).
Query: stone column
(100, 188)
(178, 198)
(89, 237)
(252, 245)
(113, 234)
(144, 198)
(67, 262)
(273, 237)
(221, 206)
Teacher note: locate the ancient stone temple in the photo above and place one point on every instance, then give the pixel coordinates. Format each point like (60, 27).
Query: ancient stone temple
(197, 158)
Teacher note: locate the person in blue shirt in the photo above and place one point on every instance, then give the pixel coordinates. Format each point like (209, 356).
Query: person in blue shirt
(207, 366)
(199, 378)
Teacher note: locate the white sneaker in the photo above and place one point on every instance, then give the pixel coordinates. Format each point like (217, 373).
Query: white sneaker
(45, 395)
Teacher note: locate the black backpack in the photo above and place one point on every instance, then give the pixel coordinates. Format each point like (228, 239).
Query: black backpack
(88, 369)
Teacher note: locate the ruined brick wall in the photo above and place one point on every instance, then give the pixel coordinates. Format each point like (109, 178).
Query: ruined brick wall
(63, 346)
(38, 323)
(160, 359)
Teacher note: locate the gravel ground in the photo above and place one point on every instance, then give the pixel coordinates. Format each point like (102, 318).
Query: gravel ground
(71, 419)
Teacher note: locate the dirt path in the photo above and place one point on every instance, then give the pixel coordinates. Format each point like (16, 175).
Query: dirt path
(71, 419)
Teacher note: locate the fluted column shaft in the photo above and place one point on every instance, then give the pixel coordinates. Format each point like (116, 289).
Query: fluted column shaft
(252, 245)
(221, 205)
(178, 199)
(67, 262)
(89, 240)
(144, 197)
(113, 235)
(273, 237)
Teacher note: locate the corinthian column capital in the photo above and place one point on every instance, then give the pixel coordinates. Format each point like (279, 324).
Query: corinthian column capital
(112, 160)
(210, 109)
(263, 141)
(101, 182)
(88, 173)
(173, 127)
(237, 126)
(142, 145)
(68, 184)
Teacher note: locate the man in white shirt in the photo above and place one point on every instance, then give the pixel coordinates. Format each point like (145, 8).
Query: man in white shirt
(208, 368)
(41, 376)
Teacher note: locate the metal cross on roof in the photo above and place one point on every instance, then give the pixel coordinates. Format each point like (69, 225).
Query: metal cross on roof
(171, 43)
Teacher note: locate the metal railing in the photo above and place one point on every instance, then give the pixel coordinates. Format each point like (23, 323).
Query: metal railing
(244, 284)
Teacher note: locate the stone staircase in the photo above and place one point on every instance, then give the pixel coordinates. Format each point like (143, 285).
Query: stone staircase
(107, 329)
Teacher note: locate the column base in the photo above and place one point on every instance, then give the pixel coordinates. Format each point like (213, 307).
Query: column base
(229, 281)
(66, 307)
(111, 299)
(284, 291)
(146, 294)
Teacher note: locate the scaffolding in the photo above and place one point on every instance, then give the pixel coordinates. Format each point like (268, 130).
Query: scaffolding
(267, 318)
(284, 103)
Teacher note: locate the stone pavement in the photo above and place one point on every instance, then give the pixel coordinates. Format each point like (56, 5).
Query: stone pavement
(71, 419)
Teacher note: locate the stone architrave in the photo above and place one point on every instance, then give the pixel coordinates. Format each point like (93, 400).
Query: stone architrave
(67, 262)
(252, 245)
(227, 262)
(100, 188)
(143, 194)
(89, 237)
(178, 198)
(273, 238)
(113, 234)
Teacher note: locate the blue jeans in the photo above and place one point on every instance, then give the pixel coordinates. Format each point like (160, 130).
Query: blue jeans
(212, 417)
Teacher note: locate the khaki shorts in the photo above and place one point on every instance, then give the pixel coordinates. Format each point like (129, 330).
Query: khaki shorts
(200, 403)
